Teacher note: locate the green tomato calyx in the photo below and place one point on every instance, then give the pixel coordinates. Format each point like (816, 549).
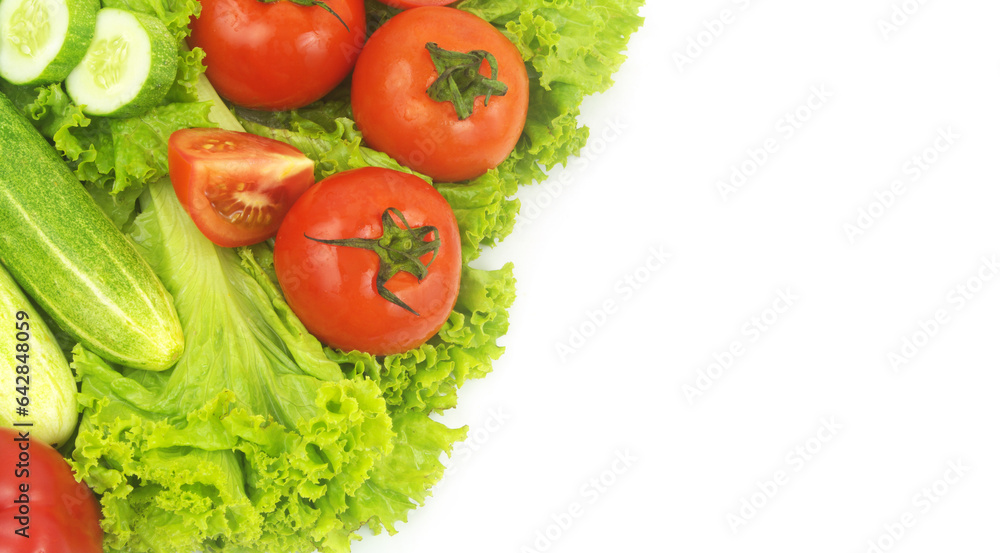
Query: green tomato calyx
(399, 249)
(459, 80)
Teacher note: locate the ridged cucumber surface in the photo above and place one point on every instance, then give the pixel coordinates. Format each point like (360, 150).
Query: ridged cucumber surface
(39, 387)
(68, 256)
(129, 67)
(41, 41)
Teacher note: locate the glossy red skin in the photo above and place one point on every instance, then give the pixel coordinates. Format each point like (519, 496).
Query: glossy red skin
(332, 288)
(407, 4)
(195, 171)
(395, 114)
(63, 514)
(277, 56)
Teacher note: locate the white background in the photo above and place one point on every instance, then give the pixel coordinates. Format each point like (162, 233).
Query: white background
(546, 421)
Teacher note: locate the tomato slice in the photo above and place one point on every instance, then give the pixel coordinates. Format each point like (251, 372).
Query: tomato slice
(236, 186)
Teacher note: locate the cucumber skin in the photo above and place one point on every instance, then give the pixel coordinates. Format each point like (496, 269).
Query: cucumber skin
(52, 388)
(82, 22)
(162, 68)
(64, 252)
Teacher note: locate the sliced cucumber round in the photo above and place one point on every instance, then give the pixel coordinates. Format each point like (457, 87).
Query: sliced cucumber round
(41, 41)
(128, 68)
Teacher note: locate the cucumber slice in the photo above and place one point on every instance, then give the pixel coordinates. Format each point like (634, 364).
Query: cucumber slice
(41, 41)
(128, 68)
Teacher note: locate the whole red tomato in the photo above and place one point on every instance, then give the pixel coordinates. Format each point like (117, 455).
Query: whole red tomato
(43, 509)
(370, 260)
(236, 186)
(278, 55)
(401, 103)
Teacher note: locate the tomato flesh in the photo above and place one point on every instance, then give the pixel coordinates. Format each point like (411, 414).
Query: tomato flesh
(397, 116)
(237, 187)
(278, 55)
(333, 288)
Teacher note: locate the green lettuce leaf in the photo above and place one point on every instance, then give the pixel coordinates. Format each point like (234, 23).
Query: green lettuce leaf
(574, 42)
(572, 48)
(175, 14)
(484, 209)
(333, 143)
(400, 480)
(190, 66)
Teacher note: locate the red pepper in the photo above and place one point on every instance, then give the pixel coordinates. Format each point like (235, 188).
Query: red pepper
(43, 509)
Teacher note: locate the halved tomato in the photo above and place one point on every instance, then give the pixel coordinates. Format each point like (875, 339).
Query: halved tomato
(236, 186)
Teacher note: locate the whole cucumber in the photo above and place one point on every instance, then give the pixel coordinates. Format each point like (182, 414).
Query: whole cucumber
(39, 387)
(67, 255)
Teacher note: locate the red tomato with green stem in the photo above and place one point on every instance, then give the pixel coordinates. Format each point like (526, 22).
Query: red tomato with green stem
(43, 508)
(236, 186)
(441, 91)
(278, 54)
(370, 260)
